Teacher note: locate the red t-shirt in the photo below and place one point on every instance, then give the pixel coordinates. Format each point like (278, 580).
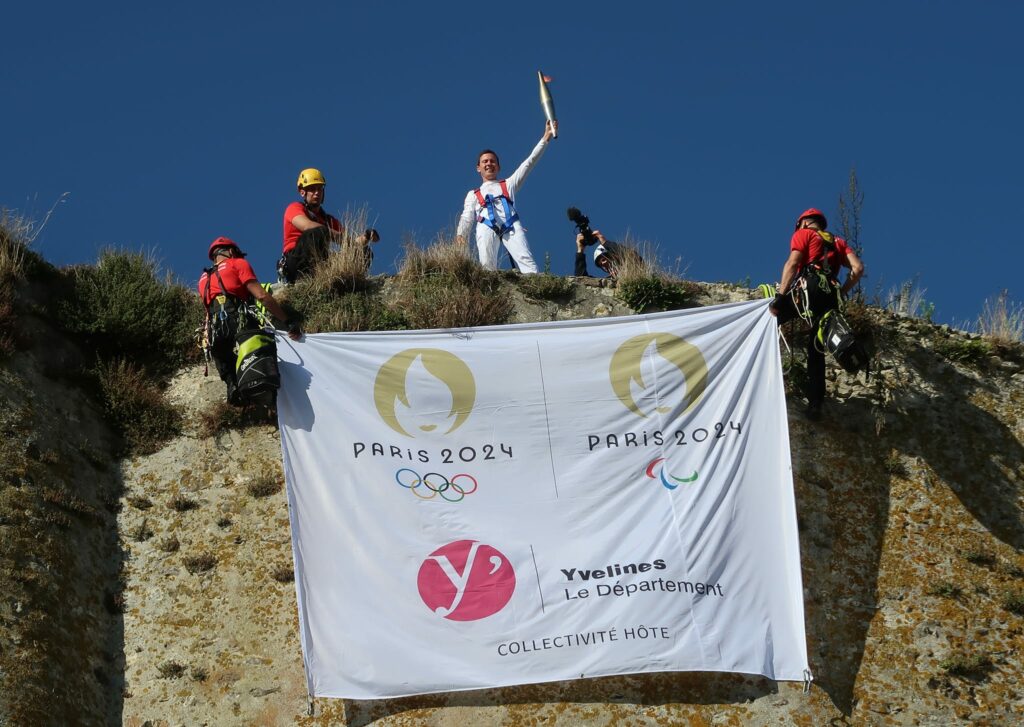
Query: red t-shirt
(292, 233)
(235, 272)
(809, 242)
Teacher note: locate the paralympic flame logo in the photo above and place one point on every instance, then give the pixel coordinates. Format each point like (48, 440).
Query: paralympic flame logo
(625, 368)
(392, 381)
(670, 481)
(466, 581)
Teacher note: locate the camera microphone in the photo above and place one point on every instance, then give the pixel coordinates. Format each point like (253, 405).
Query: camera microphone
(582, 223)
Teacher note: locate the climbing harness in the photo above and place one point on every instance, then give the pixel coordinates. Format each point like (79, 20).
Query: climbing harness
(256, 377)
(509, 215)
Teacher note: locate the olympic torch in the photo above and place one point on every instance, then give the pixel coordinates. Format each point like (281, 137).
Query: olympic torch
(546, 102)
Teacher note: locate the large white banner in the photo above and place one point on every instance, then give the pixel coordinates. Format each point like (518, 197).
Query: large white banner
(527, 503)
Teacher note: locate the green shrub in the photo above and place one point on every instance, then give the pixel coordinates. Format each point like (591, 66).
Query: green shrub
(978, 556)
(546, 287)
(332, 311)
(894, 464)
(122, 308)
(135, 406)
(651, 293)
(966, 351)
(973, 666)
(1013, 601)
(943, 589)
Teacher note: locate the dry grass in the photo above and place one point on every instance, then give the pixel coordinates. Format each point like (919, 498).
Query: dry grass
(142, 533)
(264, 486)
(139, 502)
(283, 574)
(14, 233)
(441, 286)
(182, 503)
(199, 563)
(1002, 320)
(135, 405)
(445, 257)
(344, 270)
(221, 416)
(64, 498)
(171, 670)
(908, 299)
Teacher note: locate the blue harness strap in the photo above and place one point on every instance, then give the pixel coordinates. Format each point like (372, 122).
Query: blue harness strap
(491, 220)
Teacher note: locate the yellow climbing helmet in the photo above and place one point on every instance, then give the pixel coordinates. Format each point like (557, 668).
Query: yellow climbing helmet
(309, 177)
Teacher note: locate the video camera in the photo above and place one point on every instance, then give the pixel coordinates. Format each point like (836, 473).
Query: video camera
(582, 223)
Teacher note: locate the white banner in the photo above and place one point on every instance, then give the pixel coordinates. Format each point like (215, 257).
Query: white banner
(527, 503)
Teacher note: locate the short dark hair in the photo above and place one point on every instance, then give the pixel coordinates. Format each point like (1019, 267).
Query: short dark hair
(488, 151)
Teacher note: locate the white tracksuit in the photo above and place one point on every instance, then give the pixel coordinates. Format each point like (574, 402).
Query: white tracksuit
(515, 239)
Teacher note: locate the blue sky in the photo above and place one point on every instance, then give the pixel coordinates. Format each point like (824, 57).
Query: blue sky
(704, 128)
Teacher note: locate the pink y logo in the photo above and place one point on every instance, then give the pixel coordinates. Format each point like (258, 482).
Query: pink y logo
(466, 581)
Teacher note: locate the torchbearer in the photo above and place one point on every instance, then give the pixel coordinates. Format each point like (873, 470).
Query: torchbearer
(546, 102)
(490, 209)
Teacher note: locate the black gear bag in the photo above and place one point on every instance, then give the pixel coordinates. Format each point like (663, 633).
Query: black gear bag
(256, 375)
(837, 338)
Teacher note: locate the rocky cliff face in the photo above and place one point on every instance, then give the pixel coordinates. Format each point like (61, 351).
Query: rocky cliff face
(909, 499)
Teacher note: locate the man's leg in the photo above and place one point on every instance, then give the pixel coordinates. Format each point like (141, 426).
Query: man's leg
(224, 357)
(311, 248)
(519, 248)
(487, 248)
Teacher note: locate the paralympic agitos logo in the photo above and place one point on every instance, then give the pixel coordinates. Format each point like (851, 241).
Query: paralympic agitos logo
(391, 388)
(626, 370)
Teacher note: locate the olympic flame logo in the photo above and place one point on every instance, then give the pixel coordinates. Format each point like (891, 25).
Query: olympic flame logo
(625, 369)
(391, 386)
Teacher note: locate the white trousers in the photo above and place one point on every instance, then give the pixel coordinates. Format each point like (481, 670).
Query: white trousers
(515, 242)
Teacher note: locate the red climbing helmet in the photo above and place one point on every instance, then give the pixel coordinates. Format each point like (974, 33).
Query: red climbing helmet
(225, 242)
(812, 212)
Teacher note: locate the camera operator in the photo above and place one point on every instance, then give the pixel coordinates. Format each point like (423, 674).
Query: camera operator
(606, 254)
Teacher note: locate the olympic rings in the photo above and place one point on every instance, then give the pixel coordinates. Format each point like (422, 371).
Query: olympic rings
(440, 485)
